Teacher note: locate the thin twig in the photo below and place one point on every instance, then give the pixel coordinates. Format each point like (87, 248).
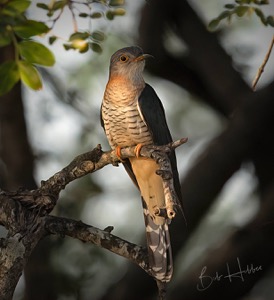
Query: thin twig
(75, 25)
(261, 69)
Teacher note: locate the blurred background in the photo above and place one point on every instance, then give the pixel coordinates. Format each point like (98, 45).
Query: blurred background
(204, 81)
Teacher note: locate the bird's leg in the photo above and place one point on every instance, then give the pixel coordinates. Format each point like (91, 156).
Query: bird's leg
(118, 153)
(137, 150)
(170, 203)
(166, 173)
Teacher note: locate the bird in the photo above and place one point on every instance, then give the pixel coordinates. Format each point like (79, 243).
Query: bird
(133, 115)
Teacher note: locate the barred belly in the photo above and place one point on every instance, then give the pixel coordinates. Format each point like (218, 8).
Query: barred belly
(124, 125)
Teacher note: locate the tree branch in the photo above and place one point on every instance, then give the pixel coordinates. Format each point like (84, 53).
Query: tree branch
(102, 238)
(26, 229)
(45, 197)
(25, 213)
(261, 69)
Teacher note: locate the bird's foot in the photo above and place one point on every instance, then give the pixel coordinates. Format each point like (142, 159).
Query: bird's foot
(118, 153)
(137, 150)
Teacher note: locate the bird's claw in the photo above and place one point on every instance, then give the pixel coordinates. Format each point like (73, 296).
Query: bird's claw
(137, 150)
(118, 153)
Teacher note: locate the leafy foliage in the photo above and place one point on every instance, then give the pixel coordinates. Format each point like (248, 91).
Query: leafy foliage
(83, 41)
(29, 75)
(36, 53)
(9, 75)
(243, 8)
(18, 30)
(14, 29)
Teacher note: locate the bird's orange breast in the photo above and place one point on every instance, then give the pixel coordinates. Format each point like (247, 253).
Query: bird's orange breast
(120, 91)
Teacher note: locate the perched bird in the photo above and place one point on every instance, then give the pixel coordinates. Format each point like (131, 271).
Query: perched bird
(133, 115)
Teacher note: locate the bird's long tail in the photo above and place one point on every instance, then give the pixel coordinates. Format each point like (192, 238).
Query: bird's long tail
(159, 248)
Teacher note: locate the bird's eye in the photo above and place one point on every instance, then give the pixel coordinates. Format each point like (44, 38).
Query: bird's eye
(123, 58)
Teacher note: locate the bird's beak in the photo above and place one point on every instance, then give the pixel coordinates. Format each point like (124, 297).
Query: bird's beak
(142, 57)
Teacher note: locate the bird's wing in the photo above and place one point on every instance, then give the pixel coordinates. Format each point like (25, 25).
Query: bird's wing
(152, 112)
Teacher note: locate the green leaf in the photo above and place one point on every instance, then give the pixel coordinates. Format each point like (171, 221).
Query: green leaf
(50, 13)
(225, 14)
(229, 6)
(9, 75)
(5, 39)
(98, 35)
(81, 45)
(96, 47)
(119, 12)
(244, 1)
(59, 4)
(79, 36)
(241, 10)
(19, 5)
(30, 28)
(261, 15)
(116, 2)
(270, 21)
(110, 15)
(29, 75)
(43, 6)
(96, 15)
(84, 48)
(36, 53)
(68, 47)
(213, 24)
(52, 39)
(15, 7)
(83, 15)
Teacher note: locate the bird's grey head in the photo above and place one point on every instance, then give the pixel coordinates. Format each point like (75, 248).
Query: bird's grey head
(128, 62)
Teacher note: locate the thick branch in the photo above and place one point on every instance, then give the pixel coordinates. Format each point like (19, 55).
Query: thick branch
(26, 228)
(102, 238)
(46, 196)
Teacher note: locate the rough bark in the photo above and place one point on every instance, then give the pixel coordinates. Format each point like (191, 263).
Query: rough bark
(25, 230)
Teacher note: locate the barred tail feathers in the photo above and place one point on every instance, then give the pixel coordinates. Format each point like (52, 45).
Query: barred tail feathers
(159, 248)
